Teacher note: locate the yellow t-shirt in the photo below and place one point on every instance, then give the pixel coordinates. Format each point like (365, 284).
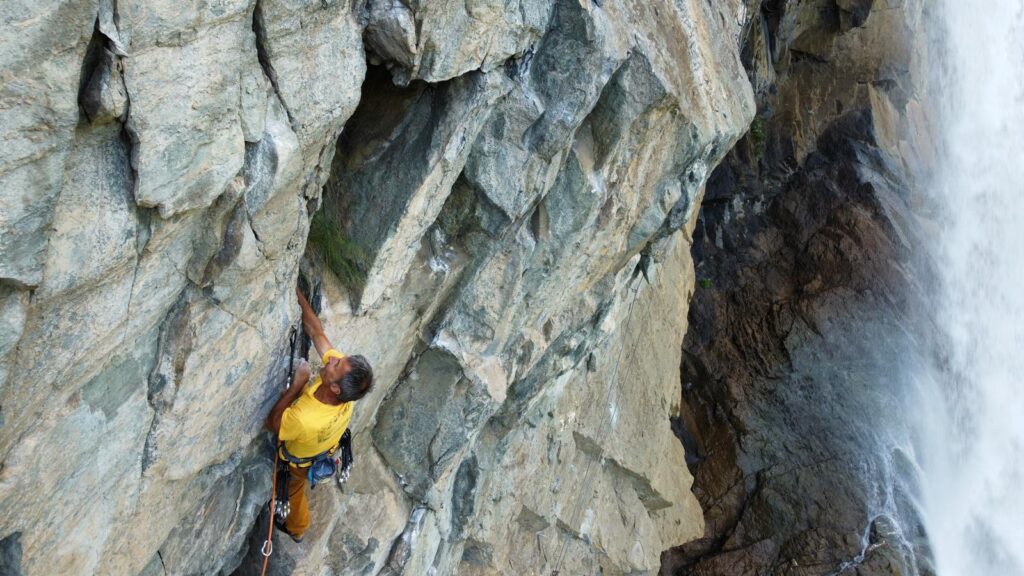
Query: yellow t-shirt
(308, 426)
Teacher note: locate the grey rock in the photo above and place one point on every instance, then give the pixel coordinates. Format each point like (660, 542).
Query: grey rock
(499, 187)
(173, 454)
(108, 28)
(165, 248)
(391, 33)
(154, 568)
(429, 418)
(91, 447)
(576, 55)
(854, 13)
(372, 492)
(93, 232)
(109, 390)
(10, 555)
(30, 190)
(313, 55)
(255, 90)
(434, 126)
(13, 311)
(65, 341)
(589, 486)
(464, 492)
(142, 26)
(184, 119)
(235, 500)
(38, 112)
(437, 41)
(273, 172)
(534, 126)
(104, 97)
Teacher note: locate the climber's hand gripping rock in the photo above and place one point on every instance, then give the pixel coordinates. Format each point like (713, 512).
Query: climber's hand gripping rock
(302, 373)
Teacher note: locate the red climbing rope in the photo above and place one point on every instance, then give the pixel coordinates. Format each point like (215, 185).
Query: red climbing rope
(268, 544)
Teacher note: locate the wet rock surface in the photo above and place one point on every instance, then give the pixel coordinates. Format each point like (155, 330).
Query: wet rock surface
(805, 302)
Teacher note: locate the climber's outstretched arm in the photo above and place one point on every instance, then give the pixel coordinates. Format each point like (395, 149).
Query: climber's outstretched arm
(312, 325)
(299, 381)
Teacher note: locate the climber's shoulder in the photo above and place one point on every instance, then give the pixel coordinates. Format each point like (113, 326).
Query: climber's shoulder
(331, 352)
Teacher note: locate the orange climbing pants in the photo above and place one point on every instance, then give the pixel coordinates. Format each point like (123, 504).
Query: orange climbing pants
(298, 519)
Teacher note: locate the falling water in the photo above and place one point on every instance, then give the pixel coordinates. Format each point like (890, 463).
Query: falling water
(973, 455)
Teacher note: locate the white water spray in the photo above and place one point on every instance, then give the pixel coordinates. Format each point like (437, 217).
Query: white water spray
(973, 436)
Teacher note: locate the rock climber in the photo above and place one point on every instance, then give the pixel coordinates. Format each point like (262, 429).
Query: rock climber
(310, 420)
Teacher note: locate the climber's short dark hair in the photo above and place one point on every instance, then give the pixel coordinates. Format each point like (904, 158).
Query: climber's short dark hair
(358, 381)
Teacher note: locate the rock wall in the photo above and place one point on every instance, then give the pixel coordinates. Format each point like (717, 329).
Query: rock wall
(809, 299)
(498, 199)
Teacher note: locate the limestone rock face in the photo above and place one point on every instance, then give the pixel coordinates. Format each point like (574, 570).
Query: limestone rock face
(494, 202)
(38, 113)
(436, 41)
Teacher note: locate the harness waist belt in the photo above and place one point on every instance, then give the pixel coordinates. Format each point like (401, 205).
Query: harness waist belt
(304, 462)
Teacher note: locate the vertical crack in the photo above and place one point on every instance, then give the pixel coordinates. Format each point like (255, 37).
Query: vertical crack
(263, 55)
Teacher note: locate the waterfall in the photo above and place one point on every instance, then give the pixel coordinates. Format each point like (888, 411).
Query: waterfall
(972, 440)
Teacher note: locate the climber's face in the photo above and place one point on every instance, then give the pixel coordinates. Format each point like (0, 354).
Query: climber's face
(334, 371)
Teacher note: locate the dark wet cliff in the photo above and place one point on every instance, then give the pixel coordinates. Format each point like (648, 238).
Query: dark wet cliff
(808, 288)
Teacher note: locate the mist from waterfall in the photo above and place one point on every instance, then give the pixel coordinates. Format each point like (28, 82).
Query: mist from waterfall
(972, 440)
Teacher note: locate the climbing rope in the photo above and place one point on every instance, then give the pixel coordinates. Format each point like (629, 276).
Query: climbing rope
(587, 478)
(268, 545)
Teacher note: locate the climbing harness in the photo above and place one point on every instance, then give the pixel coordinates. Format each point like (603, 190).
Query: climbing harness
(318, 468)
(326, 464)
(338, 461)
